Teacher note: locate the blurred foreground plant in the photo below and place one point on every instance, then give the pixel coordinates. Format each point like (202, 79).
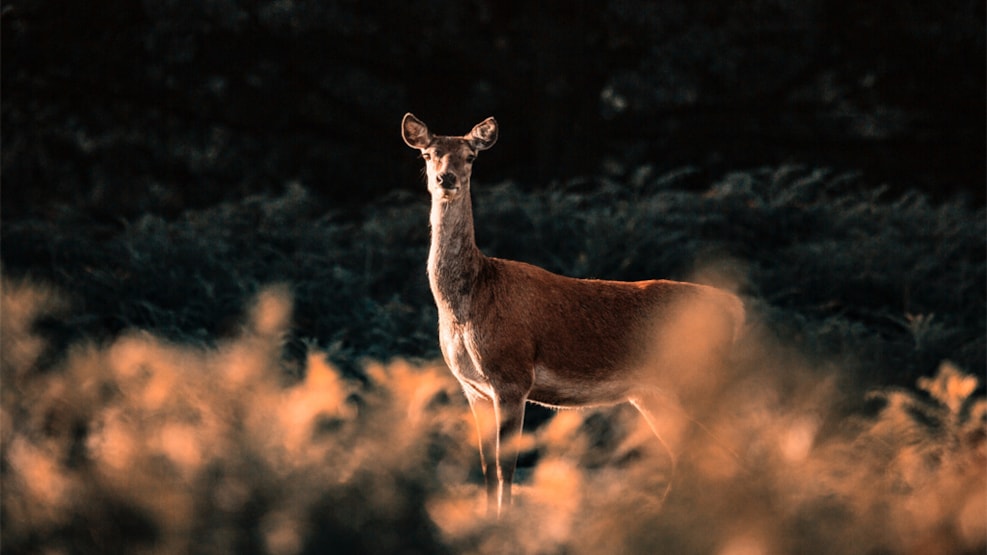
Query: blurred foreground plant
(145, 445)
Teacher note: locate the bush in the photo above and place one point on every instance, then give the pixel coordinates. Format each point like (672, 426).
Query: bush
(892, 283)
(146, 444)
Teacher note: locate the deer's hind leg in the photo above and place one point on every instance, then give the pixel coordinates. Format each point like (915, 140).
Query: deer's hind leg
(667, 421)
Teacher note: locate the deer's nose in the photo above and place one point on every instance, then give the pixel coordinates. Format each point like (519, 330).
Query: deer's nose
(447, 180)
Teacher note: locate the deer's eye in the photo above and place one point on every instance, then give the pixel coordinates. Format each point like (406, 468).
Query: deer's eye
(470, 158)
(426, 156)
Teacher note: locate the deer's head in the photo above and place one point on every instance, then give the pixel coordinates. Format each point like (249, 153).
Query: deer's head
(448, 160)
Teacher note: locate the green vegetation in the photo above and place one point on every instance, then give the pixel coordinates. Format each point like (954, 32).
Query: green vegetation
(890, 285)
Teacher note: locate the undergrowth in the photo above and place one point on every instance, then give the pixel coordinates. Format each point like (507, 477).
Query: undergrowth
(892, 285)
(141, 444)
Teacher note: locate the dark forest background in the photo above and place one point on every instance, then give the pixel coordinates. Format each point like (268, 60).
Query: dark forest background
(121, 108)
(211, 231)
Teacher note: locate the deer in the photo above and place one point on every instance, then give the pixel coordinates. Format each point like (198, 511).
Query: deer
(513, 333)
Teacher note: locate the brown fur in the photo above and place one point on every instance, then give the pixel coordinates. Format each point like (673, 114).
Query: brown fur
(512, 332)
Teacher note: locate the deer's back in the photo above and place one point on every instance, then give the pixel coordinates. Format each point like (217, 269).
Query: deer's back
(583, 333)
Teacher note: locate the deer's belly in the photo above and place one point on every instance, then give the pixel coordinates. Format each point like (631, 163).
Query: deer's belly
(560, 389)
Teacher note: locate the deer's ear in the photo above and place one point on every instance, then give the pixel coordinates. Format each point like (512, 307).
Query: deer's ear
(415, 132)
(484, 135)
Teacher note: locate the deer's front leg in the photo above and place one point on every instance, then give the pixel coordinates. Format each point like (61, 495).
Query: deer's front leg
(486, 432)
(509, 410)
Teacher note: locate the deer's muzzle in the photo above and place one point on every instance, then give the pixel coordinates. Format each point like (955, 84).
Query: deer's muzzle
(447, 181)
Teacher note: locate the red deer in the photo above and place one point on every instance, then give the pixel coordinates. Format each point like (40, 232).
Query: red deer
(512, 332)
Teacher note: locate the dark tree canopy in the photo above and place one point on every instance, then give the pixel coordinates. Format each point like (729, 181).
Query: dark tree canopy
(126, 107)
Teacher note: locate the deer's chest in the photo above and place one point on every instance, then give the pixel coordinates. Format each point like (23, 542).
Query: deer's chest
(460, 351)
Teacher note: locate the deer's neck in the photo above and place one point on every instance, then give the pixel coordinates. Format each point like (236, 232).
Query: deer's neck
(453, 260)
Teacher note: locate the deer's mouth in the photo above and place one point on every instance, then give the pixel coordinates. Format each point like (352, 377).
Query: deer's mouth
(449, 190)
